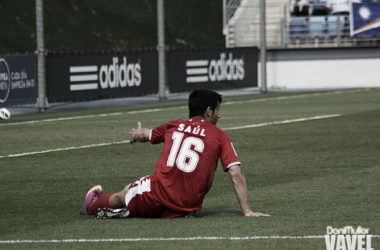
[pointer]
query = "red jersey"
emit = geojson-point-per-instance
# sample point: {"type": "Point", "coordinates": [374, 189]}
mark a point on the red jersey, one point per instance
{"type": "Point", "coordinates": [186, 167]}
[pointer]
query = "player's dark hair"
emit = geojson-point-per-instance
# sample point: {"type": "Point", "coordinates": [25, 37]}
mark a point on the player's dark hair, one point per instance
{"type": "Point", "coordinates": [201, 99]}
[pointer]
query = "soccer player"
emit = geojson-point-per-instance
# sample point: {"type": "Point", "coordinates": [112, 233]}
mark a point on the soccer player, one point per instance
{"type": "Point", "coordinates": [184, 172]}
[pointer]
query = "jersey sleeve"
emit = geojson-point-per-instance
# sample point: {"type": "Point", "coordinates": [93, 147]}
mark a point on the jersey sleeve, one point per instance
{"type": "Point", "coordinates": [228, 155]}
{"type": "Point", "coordinates": [157, 134]}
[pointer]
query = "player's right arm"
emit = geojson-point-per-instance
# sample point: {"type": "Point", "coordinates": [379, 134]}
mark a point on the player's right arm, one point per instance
{"type": "Point", "coordinates": [240, 187]}
{"type": "Point", "coordinates": [231, 163]}
{"type": "Point", "coordinates": [139, 134]}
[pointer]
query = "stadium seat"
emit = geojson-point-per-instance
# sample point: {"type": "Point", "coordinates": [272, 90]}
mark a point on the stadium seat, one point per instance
{"type": "Point", "coordinates": [332, 25]}
{"type": "Point", "coordinates": [298, 26]}
{"type": "Point", "coordinates": [317, 26]}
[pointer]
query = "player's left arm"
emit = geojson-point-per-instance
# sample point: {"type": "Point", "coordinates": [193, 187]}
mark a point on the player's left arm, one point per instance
{"type": "Point", "coordinates": [240, 186]}
{"type": "Point", "coordinates": [139, 135]}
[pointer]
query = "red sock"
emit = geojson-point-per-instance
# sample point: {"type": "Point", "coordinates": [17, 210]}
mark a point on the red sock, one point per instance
{"type": "Point", "coordinates": [102, 201]}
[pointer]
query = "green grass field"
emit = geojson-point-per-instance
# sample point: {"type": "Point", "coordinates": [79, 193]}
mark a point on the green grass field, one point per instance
{"type": "Point", "coordinates": [307, 174]}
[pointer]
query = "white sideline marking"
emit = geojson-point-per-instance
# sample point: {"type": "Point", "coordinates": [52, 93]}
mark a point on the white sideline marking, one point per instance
{"type": "Point", "coordinates": [90, 116]}
{"type": "Point", "coordinates": [63, 149]}
{"type": "Point", "coordinates": [294, 96]}
{"type": "Point", "coordinates": [180, 107]}
{"type": "Point", "coordinates": [271, 237]}
{"type": "Point", "coordinates": [123, 142]}
{"type": "Point", "coordinates": [284, 122]}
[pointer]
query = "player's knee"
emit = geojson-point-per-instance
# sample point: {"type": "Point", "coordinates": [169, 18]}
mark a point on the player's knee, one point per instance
{"type": "Point", "coordinates": [120, 197]}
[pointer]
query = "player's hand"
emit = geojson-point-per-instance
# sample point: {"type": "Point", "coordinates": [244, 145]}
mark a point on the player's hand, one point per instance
{"type": "Point", "coordinates": [135, 133]}
{"type": "Point", "coordinates": [255, 214]}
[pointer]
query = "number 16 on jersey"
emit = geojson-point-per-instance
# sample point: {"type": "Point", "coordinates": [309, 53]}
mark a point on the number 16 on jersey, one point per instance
{"type": "Point", "coordinates": [187, 159]}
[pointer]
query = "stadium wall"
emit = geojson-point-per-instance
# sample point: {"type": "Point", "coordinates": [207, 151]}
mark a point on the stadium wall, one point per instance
{"type": "Point", "coordinates": [322, 68]}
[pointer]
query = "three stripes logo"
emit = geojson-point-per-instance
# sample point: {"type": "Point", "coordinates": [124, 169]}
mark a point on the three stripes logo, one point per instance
{"type": "Point", "coordinates": [92, 77]}
{"type": "Point", "coordinates": [197, 71]}
{"type": "Point", "coordinates": [83, 78]}
{"type": "Point", "coordinates": [224, 69]}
